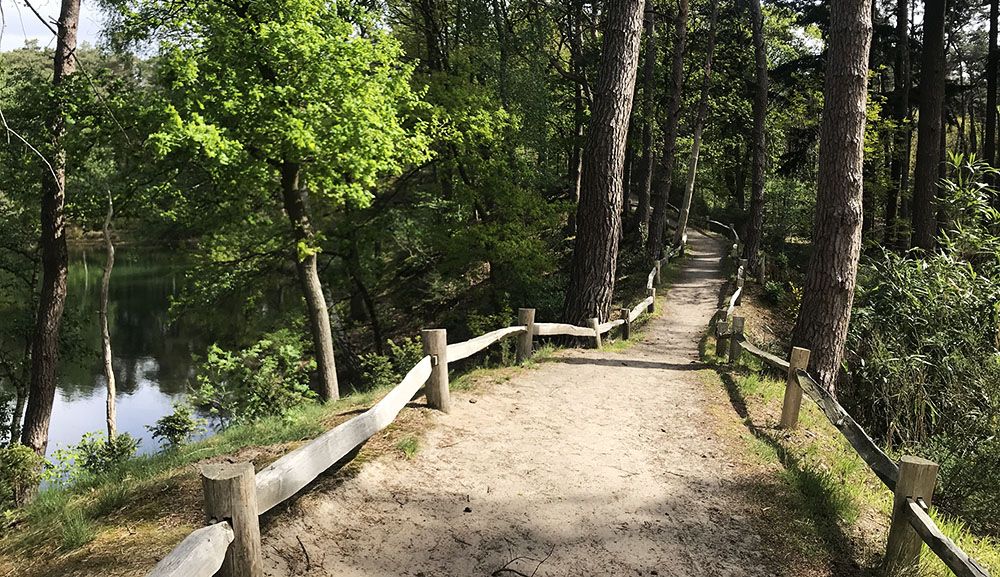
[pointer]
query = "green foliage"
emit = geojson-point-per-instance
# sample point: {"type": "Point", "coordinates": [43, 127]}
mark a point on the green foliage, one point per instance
{"type": "Point", "coordinates": [20, 472]}
{"type": "Point", "coordinates": [75, 528]}
{"type": "Point", "coordinates": [379, 371]}
{"type": "Point", "coordinates": [93, 455]}
{"type": "Point", "coordinates": [176, 428]}
{"type": "Point", "coordinates": [923, 347]}
{"type": "Point", "coordinates": [408, 446]}
{"type": "Point", "coordinates": [265, 379]}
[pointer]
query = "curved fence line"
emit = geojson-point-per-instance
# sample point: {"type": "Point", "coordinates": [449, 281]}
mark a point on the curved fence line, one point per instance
{"type": "Point", "coordinates": [912, 481]}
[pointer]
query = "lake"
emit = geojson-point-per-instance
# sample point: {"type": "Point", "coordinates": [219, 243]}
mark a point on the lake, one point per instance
{"type": "Point", "coordinates": [152, 360]}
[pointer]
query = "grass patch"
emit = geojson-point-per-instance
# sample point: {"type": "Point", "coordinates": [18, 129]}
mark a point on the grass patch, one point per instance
{"type": "Point", "coordinates": [848, 505]}
{"type": "Point", "coordinates": [75, 529]}
{"type": "Point", "coordinates": [409, 446]}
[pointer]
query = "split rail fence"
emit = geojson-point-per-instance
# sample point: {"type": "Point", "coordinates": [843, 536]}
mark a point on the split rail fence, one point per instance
{"type": "Point", "coordinates": [912, 480]}
{"type": "Point", "coordinates": [235, 496]}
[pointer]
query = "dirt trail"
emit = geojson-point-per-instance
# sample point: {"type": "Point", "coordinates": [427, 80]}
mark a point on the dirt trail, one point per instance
{"type": "Point", "coordinates": [594, 463]}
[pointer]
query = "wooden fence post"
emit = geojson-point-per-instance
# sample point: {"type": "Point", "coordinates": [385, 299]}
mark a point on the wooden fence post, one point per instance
{"type": "Point", "coordinates": [627, 327]}
{"type": "Point", "coordinates": [595, 324]}
{"type": "Point", "coordinates": [734, 340]}
{"type": "Point", "coordinates": [525, 317]}
{"type": "Point", "coordinates": [231, 495]}
{"type": "Point", "coordinates": [720, 333]}
{"type": "Point", "coordinates": [656, 278]}
{"type": "Point", "coordinates": [741, 275]}
{"type": "Point", "coordinates": [651, 292]}
{"type": "Point", "coordinates": [917, 478]}
{"type": "Point", "coordinates": [799, 359]}
{"type": "Point", "coordinates": [761, 269]}
{"type": "Point", "coordinates": [436, 345]}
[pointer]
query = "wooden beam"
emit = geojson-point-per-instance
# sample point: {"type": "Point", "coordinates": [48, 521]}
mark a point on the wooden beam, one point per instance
{"type": "Point", "coordinates": [950, 554]}
{"type": "Point", "coordinates": [465, 349]}
{"type": "Point", "coordinates": [200, 554]}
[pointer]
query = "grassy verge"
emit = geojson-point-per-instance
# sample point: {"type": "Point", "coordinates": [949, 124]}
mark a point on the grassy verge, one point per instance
{"type": "Point", "coordinates": [847, 504]}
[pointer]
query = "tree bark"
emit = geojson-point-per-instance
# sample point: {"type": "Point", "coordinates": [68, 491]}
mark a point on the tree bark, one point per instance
{"type": "Point", "coordinates": [579, 111]}
{"type": "Point", "coordinates": [755, 226]}
{"type": "Point", "coordinates": [658, 224]}
{"type": "Point", "coordinates": [109, 372]}
{"type": "Point", "coordinates": [648, 113]}
{"type": "Point", "coordinates": [929, 126]}
{"type": "Point", "coordinates": [699, 125]}
{"type": "Point", "coordinates": [899, 167]}
{"type": "Point", "coordinates": [828, 293]}
{"type": "Point", "coordinates": [312, 288]}
{"type": "Point", "coordinates": [55, 259]}
{"type": "Point", "coordinates": [595, 254]}
{"type": "Point", "coordinates": [992, 64]}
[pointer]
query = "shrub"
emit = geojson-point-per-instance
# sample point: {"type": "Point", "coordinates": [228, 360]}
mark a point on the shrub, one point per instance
{"type": "Point", "coordinates": [266, 379]}
{"type": "Point", "coordinates": [377, 371]}
{"type": "Point", "coordinates": [93, 455]}
{"type": "Point", "coordinates": [175, 429]}
{"type": "Point", "coordinates": [405, 354]}
{"type": "Point", "coordinates": [20, 473]}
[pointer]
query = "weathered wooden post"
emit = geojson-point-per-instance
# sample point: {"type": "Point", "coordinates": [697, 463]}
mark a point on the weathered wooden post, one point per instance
{"type": "Point", "coordinates": [231, 495]}
{"type": "Point", "coordinates": [917, 478]}
{"type": "Point", "coordinates": [761, 269]}
{"type": "Point", "coordinates": [656, 277]}
{"type": "Point", "coordinates": [436, 345]}
{"type": "Point", "coordinates": [525, 317]}
{"type": "Point", "coordinates": [798, 360]}
{"type": "Point", "coordinates": [741, 275]}
{"type": "Point", "coordinates": [721, 326]}
{"type": "Point", "coordinates": [627, 326]}
{"type": "Point", "coordinates": [595, 324]}
{"type": "Point", "coordinates": [734, 340]}
{"type": "Point", "coordinates": [651, 292]}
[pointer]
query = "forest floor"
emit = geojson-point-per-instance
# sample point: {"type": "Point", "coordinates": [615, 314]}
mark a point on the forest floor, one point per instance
{"type": "Point", "coordinates": [597, 462]}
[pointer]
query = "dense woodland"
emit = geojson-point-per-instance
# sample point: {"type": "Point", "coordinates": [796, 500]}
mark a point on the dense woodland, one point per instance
{"type": "Point", "coordinates": [377, 167]}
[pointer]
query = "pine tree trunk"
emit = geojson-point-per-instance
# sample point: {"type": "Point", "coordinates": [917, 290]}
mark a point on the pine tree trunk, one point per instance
{"type": "Point", "coordinates": [109, 372]}
{"type": "Point", "coordinates": [755, 226]}
{"type": "Point", "coordinates": [992, 64]}
{"type": "Point", "coordinates": [312, 288]}
{"type": "Point", "coordinates": [55, 257]}
{"type": "Point", "coordinates": [595, 254]}
{"type": "Point", "coordinates": [648, 112]}
{"type": "Point", "coordinates": [899, 168]}
{"type": "Point", "coordinates": [579, 110]}
{"type": "Point", "coordinates": [829, 286]}
{"type": "Point", "coordinates": [699, 125]}
{"type": "Point", "coordinates": [658, 224]}
{"type": "Point", "coordinates": [929, 126]}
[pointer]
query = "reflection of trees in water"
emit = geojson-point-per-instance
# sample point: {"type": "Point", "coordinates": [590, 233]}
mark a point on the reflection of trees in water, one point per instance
{"type": "Point", "coordinates": [147, 349]}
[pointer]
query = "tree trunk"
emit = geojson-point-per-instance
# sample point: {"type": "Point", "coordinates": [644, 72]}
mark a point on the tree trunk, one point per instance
{"type": "Point", "coordinates": [55, 258]}
{"type": "Point", "coordinates": [109, 372]}
{"type": "Point", "coordinates": [829, 286]}
{"type": "Point", "coordinates": [595, 255]}
{"type": "Point", "coordinates": [755, 226]}
{"type": "Point", "coordinates": [312, 289]}
{"type": "Point", "coordinates": [992, 64]}
{"type": "Point", "coordinates": [658, 224]}
{"type": "Point", "coordinates": [929, 126]}
{"type": "Point", "coordinates": [699, 125]}
{"type": "Point", "coordinates": [579, 111]}
{"type": "Point", "coordinates": [899, 168]}
{"type": "Point", "coordinates": [648, 113]}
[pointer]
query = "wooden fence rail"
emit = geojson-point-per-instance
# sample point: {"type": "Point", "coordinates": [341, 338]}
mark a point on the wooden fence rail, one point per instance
{"type": "Point", "coordinates": [912, 481]}
{"type": "Point", "coordinates": [231, 548]}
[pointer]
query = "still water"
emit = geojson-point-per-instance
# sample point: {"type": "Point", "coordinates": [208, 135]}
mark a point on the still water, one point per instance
{"type": "Point", "coordinates": [152, 359]}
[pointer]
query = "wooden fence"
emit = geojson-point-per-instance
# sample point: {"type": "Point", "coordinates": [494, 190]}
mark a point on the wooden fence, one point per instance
{"type": "Point", "coordinates": [235, 496]}
{"type": "Point", "coordinates": [912, 480]}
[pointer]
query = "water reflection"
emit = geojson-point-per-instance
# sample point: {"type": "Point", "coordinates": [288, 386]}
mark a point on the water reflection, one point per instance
{"type": "Point", "coordinates": [152, 360]}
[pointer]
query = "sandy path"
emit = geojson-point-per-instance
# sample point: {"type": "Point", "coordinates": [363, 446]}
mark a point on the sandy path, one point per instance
{"type": "Point", "coordinates": [598, 463]}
